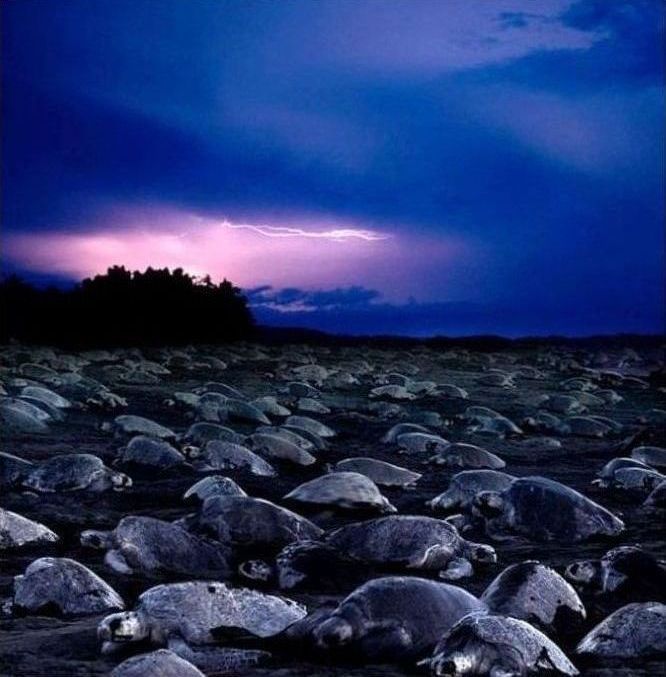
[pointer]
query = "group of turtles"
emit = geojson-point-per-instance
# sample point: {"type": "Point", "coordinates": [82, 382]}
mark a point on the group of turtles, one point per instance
{"type": "Point", "coordinates": [255, 505]}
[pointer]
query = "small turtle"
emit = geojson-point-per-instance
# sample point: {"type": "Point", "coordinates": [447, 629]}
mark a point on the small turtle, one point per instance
{"type": "Point", "coordinates": [636, 630]}
{"type": "Point", "coordinates": [653, 456]}
{"type": "Point", "coordinates": [55, 585]}
{"type": "Point", "coordinates": [626, 571]}
{"type": "Point", "coordinates": [657, 498]}
{"type": "Point", "coordinates": [270, 406]}
{"type": "Point", "coordinates": [219, 455]}
{"type": "Point", "coordinates": [13, 470]}
{"type": "Point", "coordinates": [343, 490]}
{"type": "Point", "coordinates": [155, 548]}
{"type": "Point", "coordinates": [251, 524]}
{"type": "Point", "coordinates": [414, 443]}
{"type": "Point", "coordinates": [462, 455]}
{"type": "Point", "coordinates": [412, 542]}
{"type": "Point", "coordinates": [381, 473]}
{"type": "Point", "coordinates": [202, 432]}
{"type": "Point", "coordinates": [499, 647]}
{"type": "Point", "coordinates": [17, 531]}
{"type": "Point", "coordinates": [191, 618]}
{"type": "Point", "coordinates": [537, 594]}
{"type": "Point", "coordinates": [213, 485]}
{"type": "Point", "coordinates": [544, 510]}
{"type": "Point", "coordinates": [148, 452]}
{"type": "Point", "coordinates": [309, 424]}
{"type": "Point", "coordinates": [396, 618]}
{"type": "Point", "coordinates": [75, 472]}
{"type": "Point", "coordinates": [127, 425]}
{"type": "Point", "coordinates": [465, 485]}
{"type": "Point", "coordinates": [402, 429]}
{"type": "Point", "coordinates": [160, 663]}
{"type": "Point", "coordinates": [278, 447]}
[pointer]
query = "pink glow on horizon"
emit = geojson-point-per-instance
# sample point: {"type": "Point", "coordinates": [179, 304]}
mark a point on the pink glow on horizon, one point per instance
{"type": "Point", "coordinates": [322, 255]}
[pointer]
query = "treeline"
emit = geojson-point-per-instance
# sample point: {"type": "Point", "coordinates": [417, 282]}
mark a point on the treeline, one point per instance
{"type": "Point", "coordinates": [123, 308]}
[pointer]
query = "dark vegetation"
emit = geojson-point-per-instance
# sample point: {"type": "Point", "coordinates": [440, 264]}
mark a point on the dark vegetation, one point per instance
{"type": "Point", "coordinates": [123, 308]}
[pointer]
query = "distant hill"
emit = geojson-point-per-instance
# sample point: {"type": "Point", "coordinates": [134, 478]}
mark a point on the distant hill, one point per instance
{"type": "Point", "coordinates": [124, 308]}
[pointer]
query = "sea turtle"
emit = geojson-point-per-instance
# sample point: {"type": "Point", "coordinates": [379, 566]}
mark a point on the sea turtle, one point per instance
{"type": "Point", "coordinates": [537, 594]}
{"type": "Point", "coordinates": [637, 630]}
{"type": "Point", "coordinates": [156, 548]}
{"type": "Point", "coordinates": [563, 404]}
{"type": "Point", "coordinates": [311, 425]}
{"type": "Point", "coordinates": [21, 417]}
{"type": "Point", "coordinates": [653, 456]}
{"type": "Point", "coordinates": [240, 410]}
{"type": "Point", "coordinates": [47, 396]}
{"type": "Point", "coordinates": [636, 480]}
{"type": "Point", "coordinates": [148, 452]}
{"type": "Point", "coordinates": [192, 618]}
{"type": "Point", "coordinates": [309, 405]}
{"type": "Point", "coordinates": [586, 426]}
{"type": "Point", "coordinates": [222, 389]}
{"type": "Point", "coordinates": [392, 392]}
{"type": "Point", "coordinates": [380, 472]}
{"type": "Point", "coordinates": [75, 472]}
{"type": "Point", "coordinates": [128, 425]}
{"type": "Point", "coordinates": [497, 426]}
{"type": "Point", "coordinates": [270, 406]}
{"type": "Point", "coordinates": [203, 431]}
{"type": "Point", "coordinates": [288, 434]}
{"type": "Point", "coordinates": [462, 455]}
{"type": "Point", "coordinates": [401, 429]}
{"type": "Point", "coordinates": [412, 542]}
{"type": "Point", "coordinates": [465, 485]}
{"type": "Point", "coordinates": [497, 646]}
{"type": "Point", "coordinates": [343, 490]}
{"type": "Point", "coordinates": [451, 390]}
{"type": "Point", "coordinates": [17, 531]}
{"type": "Point", "coordinates": [251, 525]}
{"type": "Point", "coordinates": [218, 455]}
{"type": "Point", "coordinates": [13, 470]}
{"type": "Point", "coordinates": [626, 571]}
{"type": "Point", "coordinates": [160, 663]}
{"type": "Point", "coordinates": [536, 444]}
{"type": "Point", "coordinates": [61, 586]}
{"type": "Point", "coordinates": [300, 389]}
{"type": "Point", "coordinates": [606, 476]}
{"type": "Point", "coordinates": [213, 485]}
{"type": "Point", "coordinates": [280, 448]}
{"type": "Point", "coordinates": [395, 618]}
{"type": "Point", "coordinates": [414, 443]}
{"type": "Point", "coordinates": [541, 509]}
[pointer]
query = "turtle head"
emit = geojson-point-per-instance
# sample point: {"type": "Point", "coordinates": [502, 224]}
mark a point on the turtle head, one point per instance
{"type": "Point", "coordinates": [488, 504]}
{"type": "Point", "coordinates": [120, 481]}
{"type": "Point", "coordinates": [95, 539]}
{"type": "Point", "coordinates": [481, 553]}
{"type": "Point", "coordinates": [121, 628]}
{"type": "Point", "coordinates": [333, 632]}
{"type": "Point", "coordinates": [191, 452]}
{"type": "Point", "coordinates": [584, 572]}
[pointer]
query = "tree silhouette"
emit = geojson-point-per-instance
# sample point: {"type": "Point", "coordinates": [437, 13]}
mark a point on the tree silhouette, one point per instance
{"type": "Point", "coordinates": [122, 308]}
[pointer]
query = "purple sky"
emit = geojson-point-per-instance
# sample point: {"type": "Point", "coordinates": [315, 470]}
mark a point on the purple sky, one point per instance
{"type": "Point", "coordinates": [356, 165]}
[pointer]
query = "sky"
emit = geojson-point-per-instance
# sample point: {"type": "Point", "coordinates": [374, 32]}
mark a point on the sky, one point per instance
{"type": "Point", "coordinates": [357, 166]}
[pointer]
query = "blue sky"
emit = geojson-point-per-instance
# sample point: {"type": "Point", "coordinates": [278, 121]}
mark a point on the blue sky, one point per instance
{"type": "Point", "coordinates": [362, 166]}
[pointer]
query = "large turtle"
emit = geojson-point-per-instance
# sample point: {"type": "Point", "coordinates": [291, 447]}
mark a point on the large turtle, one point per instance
{"type": "Point", "coordinates": [541, 509]}
{"type": "Point", "coordinates": [160, 663]}
{"type": "Point", "coordinates": [401, 429]}
{"type": "Point", "coordinates": [380, 472]}
{"type": "Point", "coordinates": [191, 618]}
{"type": "Point", "coordinates": [251, 524]}
{"type": "Point", "coordinates": [311, 425]}
{"type": "Point", "coordinates": [47, 396]}
{"type": "Point", "coordinates": [278, 447]}
{"type": "Point", "coordinates": [497, 646]}
{"type": "Point", "coordinates": [218, 455]}
{"type": "Point", "coordinates": [465, 485]}
{"type": "Point", "coordinates": [462, 455]}
{"type": "Point", "coordinates": [627, 571]}
{"type": "Point", "coordinates": [75, 472]}
{"type": "Point", "coordinates": [412, 542]}
{"type": "Point", "coordinates": [536, 593]}
{"type": "Point", "coordinates": [149, 452]}
{"type": "Point", "coordinates": [156, 548]}
{"type": "Point", "coordinates": [395, 618]}
{"type": "Point", "coordinates": [16, 419]}
{"type": "Point", "coordinates": [17, 531]}
{"type": "Point", "coordinates": [636, 630]}
{"type": "Point", "coordinates": [54, 585]}
{"type": "Point", "coordinates": [128, 425]}
{"type": "Point", "coordinates": [213, 485]}
{"type": "Point", "coordinates": [202, 432]}
{"type": "Point", "coordinates": [341, 490]}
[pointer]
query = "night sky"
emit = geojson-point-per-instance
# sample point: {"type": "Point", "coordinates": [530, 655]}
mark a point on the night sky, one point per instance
{"type": "Point", "coordinates": [366, 166]}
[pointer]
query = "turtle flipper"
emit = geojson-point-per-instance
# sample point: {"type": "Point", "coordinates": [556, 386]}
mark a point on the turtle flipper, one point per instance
{"type": "Point", "coordinates": [218, 659]}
